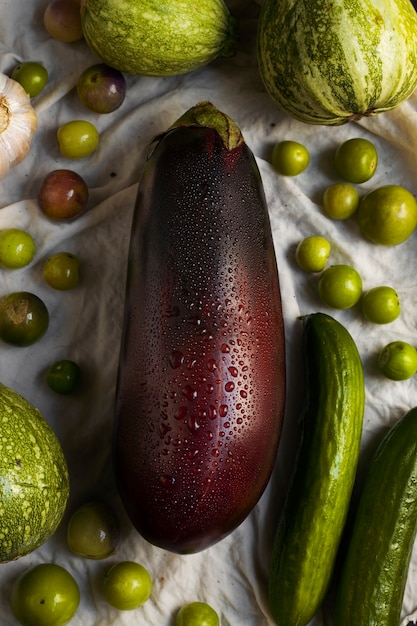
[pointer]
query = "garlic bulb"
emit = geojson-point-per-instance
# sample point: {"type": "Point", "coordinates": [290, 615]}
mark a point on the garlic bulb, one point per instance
{"type": "Point", "coordinates": [18, 122]}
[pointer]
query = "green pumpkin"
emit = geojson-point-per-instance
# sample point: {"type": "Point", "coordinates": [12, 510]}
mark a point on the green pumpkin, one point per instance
{"type": "Point", "coordinates": [333, 61]}
{"type": "Point", "coordinates": [34, 481]}
{"type": "Point", "coordinates": [158, 37]}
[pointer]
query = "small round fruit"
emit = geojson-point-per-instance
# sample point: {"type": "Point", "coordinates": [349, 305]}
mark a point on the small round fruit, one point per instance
{"type": "Point", "coordinates": [127, 585]}
{"type": "Point", "coordinates": [356, 160]}
{"type": "Point", "coordinates": [381, 305]}
{"type": "Point", "coordinates": [62, 20]}
{"type": "Point", "coordinates": [197, 614]}
{"type": "Point", "coordinates": [45, 595]}
{"type": "Point", "coordinates": [77, 139]}
{"type": "Point", "coordinates": [340, 201]}
{"type": "Point", "coordinates": [93, 531]}
{"type": "Point", "coordinates": [101, 88]}
{"type": "Point", "coordinates": [388, 215]}
{"type": "Point", "coordinates": [340, 286]}
{"type": "Point", "coordinates": [64, 376]}
{"type": "Point", "coordinates": [32, 76]}
{"type": "Point", "coordinates": [24, 318]}
{"type": "Point", "coordinates": [61, 271]}
{"type": "Point", "coordinates": [290, 158]}
{"type": "Point", "coordinates": [398, 360]}
{"type": "Point", "coordinates": [312, 253]}
{"type": "Point", "coordinates": [63, 195]}
{"type": "Point", "coordinates": [17, 248]}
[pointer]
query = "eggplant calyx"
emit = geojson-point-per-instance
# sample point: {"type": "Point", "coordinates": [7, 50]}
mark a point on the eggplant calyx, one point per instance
{"type": "Point", "coordinates": [204, 114]}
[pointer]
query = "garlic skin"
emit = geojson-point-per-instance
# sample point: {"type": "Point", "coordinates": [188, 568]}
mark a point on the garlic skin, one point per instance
{"type": "Point", "coordinates": [18, 123]}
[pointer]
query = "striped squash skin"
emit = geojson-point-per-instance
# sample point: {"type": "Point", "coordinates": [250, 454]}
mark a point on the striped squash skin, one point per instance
{"type": "Point", "coordinates": [158, 37]}
{"type": "Point", "coordinates": [332, 61]}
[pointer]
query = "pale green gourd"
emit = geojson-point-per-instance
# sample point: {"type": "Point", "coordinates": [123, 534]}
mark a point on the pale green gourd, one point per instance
{"type": "Point", "coordinates": [158, 37]}
{"type": "Point", "coordinates": [34, 481]}
{"type": "Point", "coordinates": [332, 61]}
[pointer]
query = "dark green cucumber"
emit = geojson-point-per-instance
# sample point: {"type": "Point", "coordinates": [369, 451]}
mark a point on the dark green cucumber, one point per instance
{"type": "Point", "coordinates": [375, 569]}
{"type": "Point", "coordinates": [314, 514]}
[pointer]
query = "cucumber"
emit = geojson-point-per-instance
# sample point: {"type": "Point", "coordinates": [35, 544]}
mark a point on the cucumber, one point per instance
{"type": "Point", "coordinates": [375, 568]}
{"type": "Point", "coordinates": [313, 517]}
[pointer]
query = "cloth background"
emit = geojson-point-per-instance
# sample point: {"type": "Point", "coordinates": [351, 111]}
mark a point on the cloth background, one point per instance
{"type": "Point", "coordinates": [86, 322]}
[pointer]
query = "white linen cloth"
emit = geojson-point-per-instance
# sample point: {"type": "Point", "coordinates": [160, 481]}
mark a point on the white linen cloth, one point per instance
{"type": "Point", "coordinates": [85, 323]}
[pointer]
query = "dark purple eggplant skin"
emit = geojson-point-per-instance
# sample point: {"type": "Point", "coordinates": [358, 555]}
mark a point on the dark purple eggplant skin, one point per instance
{"type": "Point", "coordinates": [201, 384]}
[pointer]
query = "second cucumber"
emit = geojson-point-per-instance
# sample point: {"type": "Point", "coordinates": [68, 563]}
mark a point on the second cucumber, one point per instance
{"type": "Point", "coordinates": [375, 568]}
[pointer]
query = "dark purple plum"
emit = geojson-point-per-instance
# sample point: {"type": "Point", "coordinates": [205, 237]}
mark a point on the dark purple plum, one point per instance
{"type": "Point", "coordinates": [63, 195]}
{"type": "Point", "coordinates": [62, 20]}
{"type": "Point", "coordinates": [101, 88]}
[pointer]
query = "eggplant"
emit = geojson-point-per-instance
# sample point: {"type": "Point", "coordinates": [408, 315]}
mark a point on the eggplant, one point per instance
{"type": "Point", "coordinates": [201, 382]}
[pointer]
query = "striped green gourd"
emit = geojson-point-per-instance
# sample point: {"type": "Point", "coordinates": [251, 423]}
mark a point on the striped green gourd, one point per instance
{"type": "Point", "coordinates": [332, 61]}
{"type": "Point", "coordinates": [163, 38]}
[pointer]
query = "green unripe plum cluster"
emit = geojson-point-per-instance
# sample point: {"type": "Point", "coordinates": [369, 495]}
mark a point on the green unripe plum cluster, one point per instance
{"type": "Point", "coordinates": [93, 532]}
{"type": "Point", "coordinates": [386, 216]}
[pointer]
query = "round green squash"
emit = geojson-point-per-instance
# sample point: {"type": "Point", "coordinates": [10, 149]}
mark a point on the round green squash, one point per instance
{"type": "Point", "coordinates": [333, 61]}
{"type": "Point", "coordinates": [158, 37]}
{"type": "Point", "coordinates": [34, 481]}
